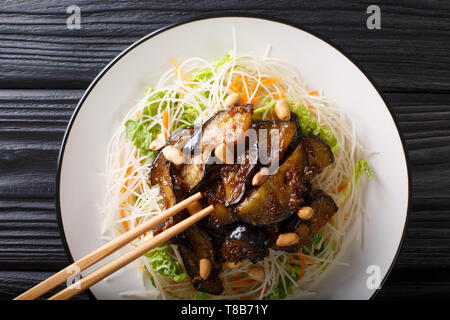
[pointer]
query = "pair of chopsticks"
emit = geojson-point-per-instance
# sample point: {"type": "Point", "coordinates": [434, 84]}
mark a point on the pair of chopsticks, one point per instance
{"type": "Point", "coordinates": [113, 246]}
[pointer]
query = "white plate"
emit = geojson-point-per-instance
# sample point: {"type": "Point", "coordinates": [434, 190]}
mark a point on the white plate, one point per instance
{"type": "Point", "coordinates": [81, 186]}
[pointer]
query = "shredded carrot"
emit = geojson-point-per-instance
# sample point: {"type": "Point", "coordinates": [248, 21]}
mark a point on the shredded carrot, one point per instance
{"type": "Point", "coordinates": [302, 269]}
{"type": "Point", "coordinates": [313, 93]}
{"type": "Point", "coordinates": [165, 123]}
{"type": "Point", "coordinates": [302, 257]}
{"type": "Point", "coordinates": [280, 95]}
{"type": "Point", "coordinates": [175, 65]}
{"type": "Point", "coordinates": [178, 71]}
{"type": "Point", "coordinates": [254, 93]}
{"type": "Point", "coordinates": [244, 97]}
{"type": "Point", "coordinates": [140, 267]}
{"type": "Point", "coordinates": [125, 223]}
{"type": "Point", "coordinates": [127, 173]}
{"type": "Point", "coordinates": [233, 85]}
{"type": "Point", "coordinates": [341, 187]}
{"type": "Point", "coordinates": [268, 81]}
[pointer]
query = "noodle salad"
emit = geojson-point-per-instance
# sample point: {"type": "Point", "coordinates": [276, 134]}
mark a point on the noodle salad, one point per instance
{"type": "Point", "coordinates": [189, 93]}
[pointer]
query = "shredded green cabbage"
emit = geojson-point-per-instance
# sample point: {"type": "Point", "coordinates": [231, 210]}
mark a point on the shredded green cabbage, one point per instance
{"type": "Point", "coordinates": [139, 133]}
{"type": "Point", "coordinates": [161, 261]}
{"type": "Point", "coordinates": [268, 105]}
{"type": "Point", "coordinates": [316, 246]}
{"type": "Point", "coordinates": [189, 115]}
{"type": "Point", "coordinates": [140, 136]}
{"type": "Point", "coordinates": [361, 166]}
{"type": "Point", "coordinates": [310, 125]}
{"type": "Point", "coordinates": [199, 295]}
{"type": "Point", "coordinates": [206, 74]}
{"type": "Point", "coordinates": [151, 108]}
{"type": "Point", "coordinates": [280, 293]}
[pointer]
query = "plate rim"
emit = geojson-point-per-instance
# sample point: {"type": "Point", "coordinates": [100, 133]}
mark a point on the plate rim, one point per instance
{"type": "Point", "coordinates": [207, 17]}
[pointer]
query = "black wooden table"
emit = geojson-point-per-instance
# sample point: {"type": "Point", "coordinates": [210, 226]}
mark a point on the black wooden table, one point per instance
{"type": "Point", "coordinates": [45, 67]}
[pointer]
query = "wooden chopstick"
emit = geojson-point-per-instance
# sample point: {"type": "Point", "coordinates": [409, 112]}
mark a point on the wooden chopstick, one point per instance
{"type": "Point", "coordinates": [104, 250]}
{"type": "Point", "coordinates": [129, 256]}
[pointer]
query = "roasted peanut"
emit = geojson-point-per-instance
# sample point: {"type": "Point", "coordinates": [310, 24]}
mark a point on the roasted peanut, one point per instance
{"type": "Point", "coordinates": [158, 142]}
{"type": "Point", "coordinates": [256, 273]}
{"type": "Point", "coordinates": [260, 177]}
{"type": "Point", "coordinates": [224, 154]}
{"type": "Point", "coordinates": [287, 239]}
{"type": "Point", "coordinates": [232, 99]}
{"type": "Point", "coordinates": [282, 110]}
{"type": "Point", "coordinates": [205, 268]}
{"type": "Point", "coordinates": [173, 155]}
{"type": "Point", "coordinates": [305, 213]}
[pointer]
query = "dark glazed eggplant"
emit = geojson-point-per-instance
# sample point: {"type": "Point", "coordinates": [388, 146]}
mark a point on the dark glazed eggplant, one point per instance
{"type": "Point", "coordinates": [161, 172]}
{"type": "Point", "coordinates": [193, 173]}
{"type": "Point", "coordinates": [319, 154]}
{"type": "Point", "coordinates": [198, 245]}
{"type": "Point", "coordinates": [227, 126]}
{"type": "Point", "coordinates": [244, 242]}
{"type": "Point", "coordinates": [266, 133]}
{"type": "Point", "coordinates": [279, 196]}
{"type": "Point", "coordinates": [324, 208]}
{"type": "Point", "coordinates": [294, 224]}
{"type": "Point", "coordinates": [235, 178]}
{"type": "Point", "coordinates": [221, 215]}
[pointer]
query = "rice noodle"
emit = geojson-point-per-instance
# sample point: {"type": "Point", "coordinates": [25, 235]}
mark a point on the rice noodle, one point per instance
{"type": "Point", "coordinates": [130, 200]}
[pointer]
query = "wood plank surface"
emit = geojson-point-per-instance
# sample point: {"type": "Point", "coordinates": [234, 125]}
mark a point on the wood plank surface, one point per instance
{"type": "Point", "coordinates": [409, 53]}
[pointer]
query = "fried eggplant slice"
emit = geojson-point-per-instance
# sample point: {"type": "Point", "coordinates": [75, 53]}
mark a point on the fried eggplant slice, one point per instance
{"type": "Point", "coordinates": [221, 215]}
{"type": "Point", "coordinates": [244, 242]}
{"type": "Point", "coordinates": [271, 231]}
{"type": "Point", "coordinates": [198, 245]}
{"type": "Point", "coordinates": [279, 133]}
{"type": "Point", "coordinates": [324, 208]}
{"type": "Point", "coordinates": [231, 184]}
{"type": "Point", "coordinates": [273, 201]}
{"type": "Point", "coordinates": [235, 178]}
{"type": "Point", "coordinates": [293, 224]}
{"type": "Point", "coordinates": [193, 173]}
{"type": "Point", "coordinates": [319, 154]}
{"type": "Point", "coordinates": [227, 126]}
{"type": "Point", "coordinates": [161, 173]}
